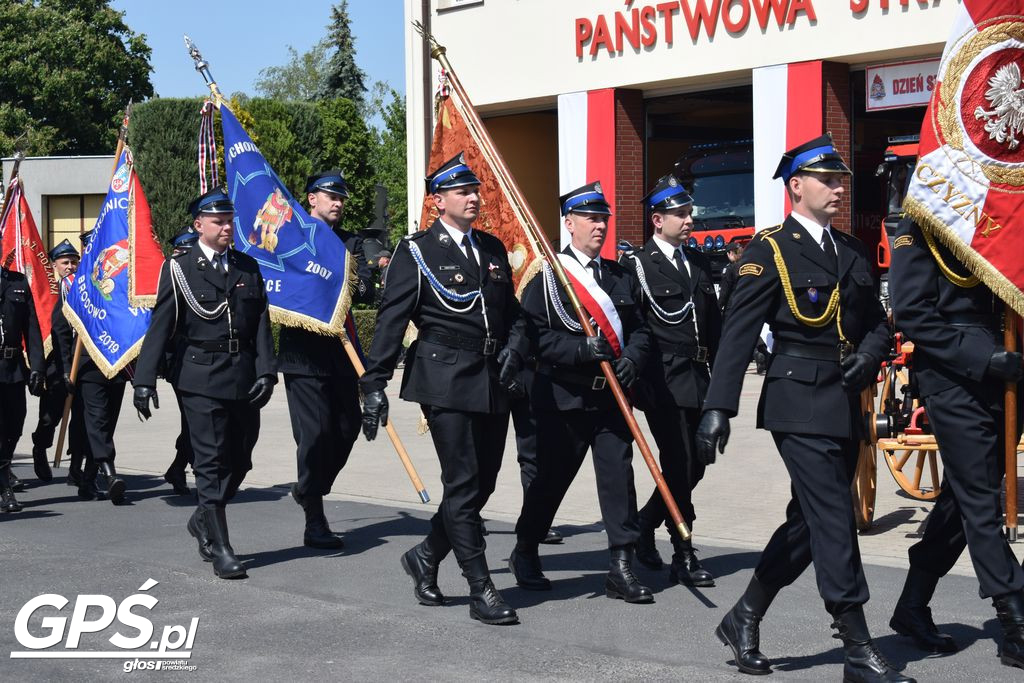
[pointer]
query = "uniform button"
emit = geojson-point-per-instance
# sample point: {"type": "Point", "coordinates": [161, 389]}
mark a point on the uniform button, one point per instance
{"type": "Point", "coordinates": [788, 373]}
{"type": "Point", "coordinates": [433, 355]}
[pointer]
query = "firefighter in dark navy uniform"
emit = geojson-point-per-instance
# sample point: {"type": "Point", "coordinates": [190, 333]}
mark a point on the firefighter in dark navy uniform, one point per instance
{"type": "Point", "coordinates": [575, 409]}
{"type": "Point", "coordinates": [455, 284]}
{"type": "Point", "coordinates": [97, 402]}
{"type": "Point", "coordinates": [813, 285]}
{"type": "Point", "coordinates": [685, 322]}
{"type": "Point", "coordinates": [214, 300]}
{"type": "Point", "coordinates": [19, 335]}
{"type": "Point", "coordinates": [319, 380]}
{"type": "Point", "coordinates": [64, 258]}
{"type": "Point", "coordinates": [183, 456]}
{"type": "Point", "coordinates": [961, 368]}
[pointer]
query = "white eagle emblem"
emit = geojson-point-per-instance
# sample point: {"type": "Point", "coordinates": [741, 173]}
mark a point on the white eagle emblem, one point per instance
{"type": "Point", "coordinates": [1006, 120]}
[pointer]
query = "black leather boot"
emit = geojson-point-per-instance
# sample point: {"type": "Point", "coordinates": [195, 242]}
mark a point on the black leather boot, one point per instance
{"type": "Point", "coordinates": [175, 476]}
{"type": "Point", "coordinates": [421, 563]}
{"type": "Point", "coordinates": [864, 662]}
{"type": "Point", "coordinates": [552, 537]}
{"type": "Point", "coordinates": [225, 564]}
{"type": "Point", "coordinates": [8, 503]}
{"type": "Point", "coordinates": [75, 471]}
{"type": "Point", "coordinates": [114, 484]}
{"type": "Point", "coordinates": [198, 531]}
{"type": "Point", "coordinates": [16, 484]}
{"type": "Point", "coordinates": [740, 630]}
{"type": "Point", "coordinates": [40, 464]}
{"type": "Point", "coordinates": [621, 583]}
{"type": "Point", "coordinates": [87, 485]}
{"type": "Point", "coordinates": [1010, 612]}
{"type": "Point", "coordinates": [912, 616]}
{"type": "Point", "coordinates": [524, 563]}
{"type": "Point", "coordinates": [485, 602]}
{"type": "Point", "coordinates": [686, 569]}
{"type": "Point", "coordinates": [646, 551]}
{"type": "Point", "coordinates": [318, 533]}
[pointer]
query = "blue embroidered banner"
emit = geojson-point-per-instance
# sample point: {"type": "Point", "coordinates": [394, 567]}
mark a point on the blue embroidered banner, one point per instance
{"type": "Point", "coordinates": [305, 265]}
{"type": "Point", "coordinates": [97, 303]}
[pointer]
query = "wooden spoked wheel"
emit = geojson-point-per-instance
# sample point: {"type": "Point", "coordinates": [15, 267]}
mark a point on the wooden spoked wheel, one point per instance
{"type": "Point", "coordinates": [913, 460]}
{"type": "Point", "coordinates": [865, 481]}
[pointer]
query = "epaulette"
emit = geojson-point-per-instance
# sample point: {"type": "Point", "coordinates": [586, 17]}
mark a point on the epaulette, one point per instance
{"type": "Point", "coordinates": [178, 254]}
{"type": "Point", "coordinates": [767, 232]}
{"type": "Point", "coordinates": [416, 235]}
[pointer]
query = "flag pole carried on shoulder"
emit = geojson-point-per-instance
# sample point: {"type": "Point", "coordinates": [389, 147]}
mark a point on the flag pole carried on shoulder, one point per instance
{"type": "Point", "coordinates": [203, 67]}
{"type": "Point", "coordinates": [543, 246]}
{"type": "Point", "coordinates": [122, 136]}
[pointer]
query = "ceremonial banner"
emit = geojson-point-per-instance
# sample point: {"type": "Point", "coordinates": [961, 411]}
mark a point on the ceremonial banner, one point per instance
{"type": "Point", "coordinates": [968, 187]}
{"type": "Point", "coordinates": [144, 253]}
{"type": "Point", "coordinates": [97, 304]}
{"type": "Point", "coordinates": [497, 215]}
{"type": "Point", "coordinates": [306, 266]}
{"type": "Point", "coordinates": [22, 250]}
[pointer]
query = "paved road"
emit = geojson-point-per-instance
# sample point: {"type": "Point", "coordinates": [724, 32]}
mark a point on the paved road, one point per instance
{"type": "Point", "coordinates": [350, 615]}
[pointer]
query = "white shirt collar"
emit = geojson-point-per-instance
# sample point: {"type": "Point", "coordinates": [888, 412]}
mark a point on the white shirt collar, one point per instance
{"type": "Point", "coordinates": [457, 234]}
{"type": "Point", "coordinates": [811, 226]}
{"type": "Point", "coordinates": [583, 258]}
{"type": "Point", "coordinates": [669, 251]}
{"type": "Point", "coordinates": [208, 252]}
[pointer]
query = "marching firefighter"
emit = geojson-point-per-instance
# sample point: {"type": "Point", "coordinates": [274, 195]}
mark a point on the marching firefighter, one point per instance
{"type": "Point", "coordinates": [214, 298]}
{"type": "Point", "coordinates": [812, 284]}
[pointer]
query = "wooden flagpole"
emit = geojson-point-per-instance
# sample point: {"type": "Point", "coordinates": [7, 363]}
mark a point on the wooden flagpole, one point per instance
{"type": "Point", "coordinates": [1010, 342]}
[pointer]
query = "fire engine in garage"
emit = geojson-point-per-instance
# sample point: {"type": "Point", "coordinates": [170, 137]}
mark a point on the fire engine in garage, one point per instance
{"type": "Point", "coordinates": [720, 176]}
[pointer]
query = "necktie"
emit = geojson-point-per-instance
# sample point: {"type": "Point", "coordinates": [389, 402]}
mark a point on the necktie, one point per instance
{"type": "Point", "coordinates": [217, 263]}
{"type": "Point", "coordinates": [677, 256]}
{"type": "Point", "coordinates": [595, 268]}
{"type": "Point", "coordinates": [467, 242]}
{"type": "Point", "coordinates": [830, 250]}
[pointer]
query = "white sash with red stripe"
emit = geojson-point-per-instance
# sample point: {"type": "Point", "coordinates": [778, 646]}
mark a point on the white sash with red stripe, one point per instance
{"type": "Point", "coordinates": [595, 300]}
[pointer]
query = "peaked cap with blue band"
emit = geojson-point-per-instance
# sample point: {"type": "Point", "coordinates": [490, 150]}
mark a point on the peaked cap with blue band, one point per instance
{"type": "Point", "coordinates": [86, 236]}
{"type": "Point", "coordinates": [818, 155]}
{"type": "Point", "coordinates": [668, 194]}
{"type": "Point", "coordinates": [328, 181]}
{"type": "Point", "coordinates": [214, 201]}
{"type": "Point", "coordinates": [453, 173]}
{"type": "Point", "coordinates": [63, 249]}
{"type": "Point", "coordinates": [184, 237]}
{"type": "Point", "coordinates": [587, 199]}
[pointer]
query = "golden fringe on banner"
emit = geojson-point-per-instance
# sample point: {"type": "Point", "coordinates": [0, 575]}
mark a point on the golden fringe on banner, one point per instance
{"type": "Point", "coordinates": [993, 279]}
{"type": "Point", "coordinates": [109, 371]}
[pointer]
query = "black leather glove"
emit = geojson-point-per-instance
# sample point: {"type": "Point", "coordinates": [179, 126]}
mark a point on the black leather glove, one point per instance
{"type": "Point", "coordinates": [1005, 365]}
{"type": "Point", "coordinates": [859, 371]}
{"type": "Point", "coordinates": [141, 401]}
{"type": "Point", "coordinates": [509, 365]}
{"type": "Point", "coordinates": [593, 349]}
{"type": "Point", "coordinates": [261, 391]}
{"type": "Point", "coordinates": [35, 383]}
{"type": "Point", "coordinates": [375, 411]}
{"type": "Point", "coordinates": [69, 386]}
{"type": "Point", "coordinates": [712, 432]}
{"type": "Point", "coordinates": [625, 371]}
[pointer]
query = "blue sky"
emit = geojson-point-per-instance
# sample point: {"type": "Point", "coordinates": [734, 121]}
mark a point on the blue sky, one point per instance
{"type": "Point", "coordinates": [239, 38]}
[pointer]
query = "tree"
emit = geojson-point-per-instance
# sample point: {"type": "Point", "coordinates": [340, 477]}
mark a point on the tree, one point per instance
{"type": "Point", "coordinates": [343, 77]}
{"type": "Point", "coordinates": [301, 78]}
{"type": "Point", "coordinates": [69, 68]}
{"type": "Point", "coordinates": [347, 144]}
{"type": "Point", "coordinates": [388, 156]}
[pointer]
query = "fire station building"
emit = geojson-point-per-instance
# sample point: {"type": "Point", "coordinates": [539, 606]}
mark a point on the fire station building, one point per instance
{"type": "Point", "coordinates": [625, 91]}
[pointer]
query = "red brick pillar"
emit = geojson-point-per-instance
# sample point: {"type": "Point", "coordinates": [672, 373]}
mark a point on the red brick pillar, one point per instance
{"type": "Point", "coordinates": [835, 82]}
{"type": "Point", "coordinates": [629, 166]}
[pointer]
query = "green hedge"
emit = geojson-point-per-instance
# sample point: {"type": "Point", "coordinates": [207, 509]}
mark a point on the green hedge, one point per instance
{"type": "Point", "coordinates": [366, 322]}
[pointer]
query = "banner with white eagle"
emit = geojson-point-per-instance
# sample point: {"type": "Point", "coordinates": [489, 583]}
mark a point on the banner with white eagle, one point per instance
{"type": "Point", "coordinates": [968, 186]}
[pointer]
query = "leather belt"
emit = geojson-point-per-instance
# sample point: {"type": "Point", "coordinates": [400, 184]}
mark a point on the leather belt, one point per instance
{"type": "Point", "coordinates": [808, 351]}
{"type": "Point", "coordinates": [482, 345]}
{"type": "Point", "coordinates": [9, 352]}
{"type": "Point", "coordinates": [691, 351]}
{"type": "Point", "coordinates": [577, 378]}
{"type": "Point", "coordinates": [223, 345]}
{"type": "Point", "coordinates": [993, 321]}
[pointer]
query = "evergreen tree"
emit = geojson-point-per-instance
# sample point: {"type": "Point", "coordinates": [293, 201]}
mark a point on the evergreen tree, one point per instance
{"type": "Point", "coordinates": [388, 155]}
{"type": "Point", "coordinates": [343, 77]}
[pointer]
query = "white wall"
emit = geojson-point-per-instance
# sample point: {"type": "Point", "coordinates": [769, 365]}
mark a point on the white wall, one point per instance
{"type": "Point", "coordinates": [43, 176]}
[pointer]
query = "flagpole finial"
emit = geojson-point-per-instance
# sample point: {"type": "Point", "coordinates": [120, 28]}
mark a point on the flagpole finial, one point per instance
{"type": "Point", "coordinates": [436, 49]}
{"type": "Point", "coordinates": [203, 67]}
